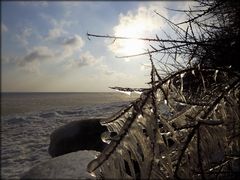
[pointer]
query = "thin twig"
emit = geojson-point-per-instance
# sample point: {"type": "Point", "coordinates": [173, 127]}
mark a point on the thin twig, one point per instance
{"type": "Point", "coordinates": [146, 39]}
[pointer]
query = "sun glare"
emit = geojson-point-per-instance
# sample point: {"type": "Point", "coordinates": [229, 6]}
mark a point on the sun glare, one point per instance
{"type": "Point", "coordinates": [139, 23]}
{"type": "Point", "coordinates": [132, 46]}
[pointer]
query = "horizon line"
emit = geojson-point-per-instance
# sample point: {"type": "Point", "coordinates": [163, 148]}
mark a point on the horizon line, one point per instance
{"type": "Point", "coordinates": [57, 91]}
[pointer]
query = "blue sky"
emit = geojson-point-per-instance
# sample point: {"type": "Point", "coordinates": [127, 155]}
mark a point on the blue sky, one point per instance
{"type": "Point", "coordinates": [45, 47]}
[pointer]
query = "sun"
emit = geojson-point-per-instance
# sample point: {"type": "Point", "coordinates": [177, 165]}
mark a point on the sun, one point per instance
{"type": "Point", "coordinates": [129, 46]}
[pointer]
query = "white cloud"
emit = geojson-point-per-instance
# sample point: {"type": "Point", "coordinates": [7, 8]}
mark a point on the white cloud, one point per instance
{"type": "Point", "coordinates": [38, 53]}
{"type": "Point", "coordinates": [32, 60]}
{"type": "Point", "coordinates": [72, 45]}
{"type": "Point", "coordinates": [3, 28]}
{"type": "Point", "coordinates": [34, 3]}
{"type": "Point", "coordinates": [49, 19]}
{"type": "Point", "coordinates": [54, 33]}
{"type": "Point", "coordinates": [31, 67]}
{"type": "Point", "coordinates": [34, 57]}
{"type": "Point", "coordinates": [24, 35]}
{"type": "Point", "coordinates": [142, 22]}
{"type": "Point", "coordinates": [85, 59]}
{"type": "Point", "coordinates": [106, 70]}
{"type": "Point", "coordinates": [8, 59]}
{"type": "Point", "coordinates": [74, 42]}
{"type": "Point", "coordinates": [58, 26]}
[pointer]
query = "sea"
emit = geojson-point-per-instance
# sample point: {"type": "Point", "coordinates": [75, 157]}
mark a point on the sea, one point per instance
{"type": "Point", "coordinates": [28, 119]}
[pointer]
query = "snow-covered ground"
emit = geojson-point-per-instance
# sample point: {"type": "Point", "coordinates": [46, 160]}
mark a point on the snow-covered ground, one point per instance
{"type": "Point", "coordinates": [68, 166]}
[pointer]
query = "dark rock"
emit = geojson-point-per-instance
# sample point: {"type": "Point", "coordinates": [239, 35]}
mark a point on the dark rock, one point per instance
{"type": "Point", "coordinates": [77, 135]}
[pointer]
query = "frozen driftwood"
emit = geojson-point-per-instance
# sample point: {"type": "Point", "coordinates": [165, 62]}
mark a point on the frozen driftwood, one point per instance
{"type": "Point", "coordinates": [185, 126]}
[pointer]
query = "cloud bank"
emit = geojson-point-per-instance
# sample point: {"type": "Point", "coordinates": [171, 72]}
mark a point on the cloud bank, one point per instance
{"type": "Point", "coordinates": [38, 53]}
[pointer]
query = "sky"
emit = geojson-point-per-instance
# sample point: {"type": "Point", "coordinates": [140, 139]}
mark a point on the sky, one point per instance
{"type": "Point", "coordinates": [44, 46]}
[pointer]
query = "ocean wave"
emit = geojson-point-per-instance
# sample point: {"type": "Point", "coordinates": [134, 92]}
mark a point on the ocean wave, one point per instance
{"type": "Point", "coordinates": [49, 114]}
{"type": "Point", "coordinates": [72, 113]}
{"type": "Point", "coordinates": [17, 120]}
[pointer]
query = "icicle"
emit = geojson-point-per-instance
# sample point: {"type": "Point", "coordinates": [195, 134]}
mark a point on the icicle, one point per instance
{"type": "Point", "coordinates": [215, 75]}
{"type": "Point", "coordinates": [166, 134]}
{"type": "Point", "coordinates": [120, 151]}
{"type": "Point", "coordinates": [181, 76]}
{"type": "Point", "coordinates": [193, 72]}
{"type": "Point", "coordinates": [157, 160]}
{"type": "Point", "coordinates": [216, 107]}
{"type": "Point", "coordinates": [106, 138]}
{"type": "Point", "coordinates": [182, 104]}
{"type": "Point", "coordinates": [168, 82]}
{"type": "Point", "coordinates": [229, 92]}
{"type": "Point", "coordinates": [158, 94]}
{"type": "Point", "coordinates": [183, 130]}
{"type": "Point", "coordinates": [203, 82]}
{"type": "Point", "coordinates": [125, 92]}
{"type": "Point", "coordinates": [165, 101]}
{"type": "Point", "coordinates": [199, 67]}
{"type": "Point", "coordinates": [139, 116]}
{"type": "Point", "coordinates": [93, 174]}
{"type": "Point", "coordinates": [138, 92]}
